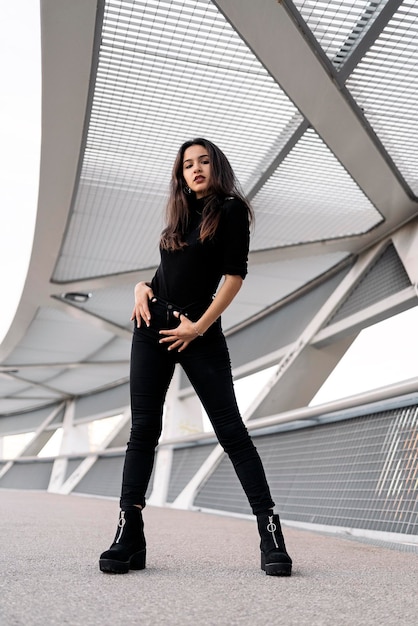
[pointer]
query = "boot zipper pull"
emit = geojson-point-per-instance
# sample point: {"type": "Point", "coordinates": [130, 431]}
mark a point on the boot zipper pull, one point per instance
{"type": "Point", "coordinates": [121, 524]}
{"type": "Point", "coordinates": [271, 527]}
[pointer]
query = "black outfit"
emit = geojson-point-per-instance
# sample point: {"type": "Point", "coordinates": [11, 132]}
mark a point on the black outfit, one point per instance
{"type": "Point", "coordinates": [186, 281]}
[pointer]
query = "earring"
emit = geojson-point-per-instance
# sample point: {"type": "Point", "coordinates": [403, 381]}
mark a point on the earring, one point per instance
{"type": "Point", "coordinates": [187, 190]}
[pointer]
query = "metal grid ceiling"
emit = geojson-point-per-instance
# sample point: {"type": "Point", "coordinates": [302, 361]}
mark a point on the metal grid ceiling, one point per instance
{"type": "Point", "coordinates": [338, 25]}
{"type": "Point", "coordinates": [148, 60]}
{"type": "Point", "coordinates": [310, 197]}
{"type": "Point", "coordinates": [359, 473]}
{"type": "Point", "coordinates": [385, 86]}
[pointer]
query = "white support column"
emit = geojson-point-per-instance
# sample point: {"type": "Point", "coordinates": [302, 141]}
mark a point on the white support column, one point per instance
{"type": "Point", "coordinates": [74, 440]}
{"type": "Point", "coordinates": [82, 469]}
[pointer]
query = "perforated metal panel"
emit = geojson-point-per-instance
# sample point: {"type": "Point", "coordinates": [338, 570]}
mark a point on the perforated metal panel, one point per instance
{"type": "Point", "coordinates": [186, 462]}
{"type": "Point", "coordinates": [384, 278]}
{"type": "Point", "coordinates": [105, 478]}
{"type": "Point", "coordinates": [357, 473]}
{"type": "Point", "coordinates": [72, 465]}
{"type": "Point", "coordinates": [310, 197]}
{"type": "Point", "coordinates": [27, 476]}
{"type": "Point", "coordinates": [338, 25]}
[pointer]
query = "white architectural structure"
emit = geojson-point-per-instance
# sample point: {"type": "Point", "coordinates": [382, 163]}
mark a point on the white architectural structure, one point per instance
{"type": "Point", "coordinates": [315, 104]}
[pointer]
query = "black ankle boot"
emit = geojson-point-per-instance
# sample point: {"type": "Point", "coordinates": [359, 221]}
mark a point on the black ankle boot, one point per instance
{"type": "Point", "coordinates": [128, 548]}
{"type": "Point", "coordinates": [275, 560]}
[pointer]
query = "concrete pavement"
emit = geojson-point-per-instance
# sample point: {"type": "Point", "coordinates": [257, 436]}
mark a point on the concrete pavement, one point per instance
{"type": "Point", "coordinates": [202, 569]}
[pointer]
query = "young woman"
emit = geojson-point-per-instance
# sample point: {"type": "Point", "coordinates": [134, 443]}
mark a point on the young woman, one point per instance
{"type": "Point", "coordinates": [177, 320]}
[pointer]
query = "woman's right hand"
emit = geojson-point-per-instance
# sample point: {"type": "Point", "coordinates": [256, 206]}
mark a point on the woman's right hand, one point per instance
{"type": "Point", "coordinates": [143, 294]}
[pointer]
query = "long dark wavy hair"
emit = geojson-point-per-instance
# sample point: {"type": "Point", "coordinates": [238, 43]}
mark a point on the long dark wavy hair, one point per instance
{"type": "Point", "coordinates": [223, 184]}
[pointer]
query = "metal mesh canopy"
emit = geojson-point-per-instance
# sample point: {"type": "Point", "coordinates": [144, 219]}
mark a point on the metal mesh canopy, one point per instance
{"type": "Point", "coordinates": [385, 85]}
{"type": "Point", "coordinates": [167, 72]}
{"type": "Point", "coordinates": [310, 197]}
{"type": "Point", "coordinates": [338, 25]}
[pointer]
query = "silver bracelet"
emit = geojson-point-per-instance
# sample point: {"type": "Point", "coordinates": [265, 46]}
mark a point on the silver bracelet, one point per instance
{"type": "Point", "coordinates": [196, 330]}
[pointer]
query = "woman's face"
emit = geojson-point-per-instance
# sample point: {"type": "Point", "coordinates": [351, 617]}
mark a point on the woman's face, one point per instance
{"type": "Point", "coordinates": [196, 170]}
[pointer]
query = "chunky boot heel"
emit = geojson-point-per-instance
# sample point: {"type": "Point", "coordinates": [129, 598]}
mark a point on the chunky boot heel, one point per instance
{"type": "Point", "coordinates": [137, 561]}
{"type": "Point", "coordinates": [275, 560]}
{"type": "Point", "coordinates": [128, 548]}
{"type": "Point", "coordinates": [275, 569]}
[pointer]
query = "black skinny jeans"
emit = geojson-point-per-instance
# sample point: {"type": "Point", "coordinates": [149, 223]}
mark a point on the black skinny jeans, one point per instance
{"type": "Point", "coordinates": [207, 365]}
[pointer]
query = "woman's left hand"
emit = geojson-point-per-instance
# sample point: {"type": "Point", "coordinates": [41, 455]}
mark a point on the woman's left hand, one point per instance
{"type": "Point", "coordinates": [182, 335]}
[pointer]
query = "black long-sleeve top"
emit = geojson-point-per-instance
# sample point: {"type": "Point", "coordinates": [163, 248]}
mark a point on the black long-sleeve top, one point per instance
{"type": "Point", "coordinates": [192, 275]}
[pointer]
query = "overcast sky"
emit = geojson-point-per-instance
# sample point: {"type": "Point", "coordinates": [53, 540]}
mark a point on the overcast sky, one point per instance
{"type": "Point", "coordinates": [381, 355]}
{"type": "Point", "coordinates": [20, 128]}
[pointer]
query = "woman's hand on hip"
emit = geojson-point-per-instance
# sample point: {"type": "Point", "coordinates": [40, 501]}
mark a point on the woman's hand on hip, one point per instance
{"type": "Point", "coordinates": [181, 336]}
{"type": "Point", "coordinates": [143, 295]}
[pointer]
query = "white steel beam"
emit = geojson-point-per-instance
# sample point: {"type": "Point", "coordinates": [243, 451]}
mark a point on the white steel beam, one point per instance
{"type": "Point", "coordinates": [68, 35]}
